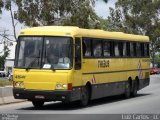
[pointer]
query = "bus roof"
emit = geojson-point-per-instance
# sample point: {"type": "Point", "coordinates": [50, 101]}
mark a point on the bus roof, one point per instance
{"type": "Point", "coordinates": [80, 32]}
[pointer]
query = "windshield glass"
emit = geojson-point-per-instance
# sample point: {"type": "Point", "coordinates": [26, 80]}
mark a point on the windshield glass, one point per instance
{"type": "Point", "coordinates": [58, 53]}
{"type": "Point", "coordinates": [29, 50]}
{"type": "Point", "coordinates": [44, 53]}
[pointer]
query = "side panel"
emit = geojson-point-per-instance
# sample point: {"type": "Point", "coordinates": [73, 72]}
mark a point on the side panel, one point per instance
{"type": "Point", "coordinates": [109, 76]}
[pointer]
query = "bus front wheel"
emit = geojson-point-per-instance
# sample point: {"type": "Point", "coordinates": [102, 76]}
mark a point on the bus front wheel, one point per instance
{"type": "Point", "coordinates": [84, 96]}
{"type": "Point", "coordinates": [38, 104]}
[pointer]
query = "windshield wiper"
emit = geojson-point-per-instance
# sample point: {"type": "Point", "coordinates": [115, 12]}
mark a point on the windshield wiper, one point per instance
{"type": "Point", "coordinates": [32, 62]}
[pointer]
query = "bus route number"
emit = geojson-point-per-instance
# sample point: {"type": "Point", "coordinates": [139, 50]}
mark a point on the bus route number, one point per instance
{"type": "Point", "coordinates": [103, 63]}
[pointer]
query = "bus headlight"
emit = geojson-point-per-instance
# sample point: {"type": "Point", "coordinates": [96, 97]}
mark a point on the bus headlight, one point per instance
{"type": "Point", "coordinates": [19, 84]}
{"type": "Point", "coordinates": [61, 86]}
{"type": "Point", "coordinates": [16, 84]}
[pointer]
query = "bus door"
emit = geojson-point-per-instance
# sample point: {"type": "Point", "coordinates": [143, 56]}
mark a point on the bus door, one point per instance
{"type": "Point", "coordinates": [77, 81]}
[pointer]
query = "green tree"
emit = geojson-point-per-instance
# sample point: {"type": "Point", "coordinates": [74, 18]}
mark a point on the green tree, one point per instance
{"type": "Point", "coordinates": [101, 23]}
{"type": "Point", "coordinates": [82, 14]}
{"type": "Point", "coordinates": [3, 57]}
{"type": "Point", "coordinates": [157, 60]}
{"type": "Point", "coordinates": [56, 12]}
{"type": "Point", "coordinates": [138, 17]}
{"type": "Point", "coordinates": [1, 6]}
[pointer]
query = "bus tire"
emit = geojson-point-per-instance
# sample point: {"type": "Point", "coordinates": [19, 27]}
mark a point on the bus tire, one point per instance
{"type": "Point", "coordinates": [127, 93]}
{"type": "Point", "coordinates": [84, 96]}
{"type": "Point", "coordinates": [38, 104]}
{"type": "Point", "coordinates": [135, 88]}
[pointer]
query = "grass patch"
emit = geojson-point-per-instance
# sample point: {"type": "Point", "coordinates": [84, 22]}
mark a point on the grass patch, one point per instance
{"type": "Point", "coordinates": [4, 82]}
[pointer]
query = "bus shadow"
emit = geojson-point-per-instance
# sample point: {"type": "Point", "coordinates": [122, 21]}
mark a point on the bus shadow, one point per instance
{"type": "Point", "coordinates": [59, 106]}
{"type": "Point", "coordinates": [112, 99]}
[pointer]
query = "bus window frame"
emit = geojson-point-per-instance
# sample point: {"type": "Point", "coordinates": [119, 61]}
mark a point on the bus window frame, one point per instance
{"type": "Point", "coordinates": [43, 47]}
{"type": "Point", "coordinates": [112, 52]}
{"type": "Point", "coordinates": [103, 46]}
{"type": "Point", "coordinates": [78, 64]}
{"type": "Point", "coordinates": [100, 43]}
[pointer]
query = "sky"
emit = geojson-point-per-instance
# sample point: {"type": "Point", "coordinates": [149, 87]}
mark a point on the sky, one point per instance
{"type": "Point", "coordinates": [101, 9]}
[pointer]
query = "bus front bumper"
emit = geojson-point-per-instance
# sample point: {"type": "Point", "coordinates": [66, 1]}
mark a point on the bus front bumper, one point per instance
{"type": "Point", "coordinates": [55, 95]}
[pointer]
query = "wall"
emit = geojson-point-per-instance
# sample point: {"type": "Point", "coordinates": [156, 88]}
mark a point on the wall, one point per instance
{"type": "Point", "coordinates": [6, 95]}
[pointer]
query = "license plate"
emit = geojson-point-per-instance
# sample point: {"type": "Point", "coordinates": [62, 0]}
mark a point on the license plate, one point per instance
{"type": "Point", "coordinates": [39, 97]}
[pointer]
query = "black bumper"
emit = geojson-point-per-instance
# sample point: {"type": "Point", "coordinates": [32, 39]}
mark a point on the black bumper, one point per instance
{"type": "Point", "coordinates": [56, 95]}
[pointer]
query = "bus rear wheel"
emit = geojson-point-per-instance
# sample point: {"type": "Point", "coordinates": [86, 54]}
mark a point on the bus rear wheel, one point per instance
{"type": "Point", "coordinates": [38, 104]}
{"type": "Point", "coordinates": [84, 96]}
{"type": "Point", "coordinates": [127, 90]}
{"type": "Point", "coordinates": [135, 88]}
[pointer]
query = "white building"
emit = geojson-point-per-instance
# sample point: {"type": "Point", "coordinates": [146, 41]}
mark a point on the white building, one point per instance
{"type": "Point", "coordinates": [9, 64]}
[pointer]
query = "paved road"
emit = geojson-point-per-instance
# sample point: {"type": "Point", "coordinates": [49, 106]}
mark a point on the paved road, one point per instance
{"type": "Point", "coordinates": [147, 102]}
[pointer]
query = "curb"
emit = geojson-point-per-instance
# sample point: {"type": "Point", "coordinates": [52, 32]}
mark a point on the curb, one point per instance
{"type": "Point", "coordinates": [6, 95]}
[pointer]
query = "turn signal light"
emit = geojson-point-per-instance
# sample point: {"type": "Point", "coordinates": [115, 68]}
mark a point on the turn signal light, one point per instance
{"type": "Point", "coordinates": [69, 86]}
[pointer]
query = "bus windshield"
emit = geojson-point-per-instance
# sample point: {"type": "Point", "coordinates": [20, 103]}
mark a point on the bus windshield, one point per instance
{"type": "Point", "coordinates": [44, 53]}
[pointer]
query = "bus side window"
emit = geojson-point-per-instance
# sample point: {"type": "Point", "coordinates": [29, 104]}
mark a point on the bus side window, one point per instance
{"type": "Point", "coordinates": [131, 49]}
{"type": "Point", "coordinates": [142, 50]}
{"type": "Point", "coordinates": [87, 47]}
{"type": "Point", "coordinates": [120, 47]}
{"type": "Point", "coordinates": [134, 48]}
{"type": "Point", "coordinates": [146, 49]}
{"type": "Point", "coordinates": [107, 48]}
{"type": "Point", "coordinates": [97, 48]}
{"type": "Point", "coordinates": [77, 54]}
{"type": "Point", "coordinates": [116, 49]}
{"type": "Point", "coordinates": [124, 49]}
{"type": "Point", "coordinates": [84, 47]}
{"type": "Point", "coordinates": [128, 49]}
{"type": "Point", "coordinates": [138, 49]}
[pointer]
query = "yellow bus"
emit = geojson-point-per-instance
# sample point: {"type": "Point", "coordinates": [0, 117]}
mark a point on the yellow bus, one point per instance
{"type": "Point", "coordinates": [62, 63]}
